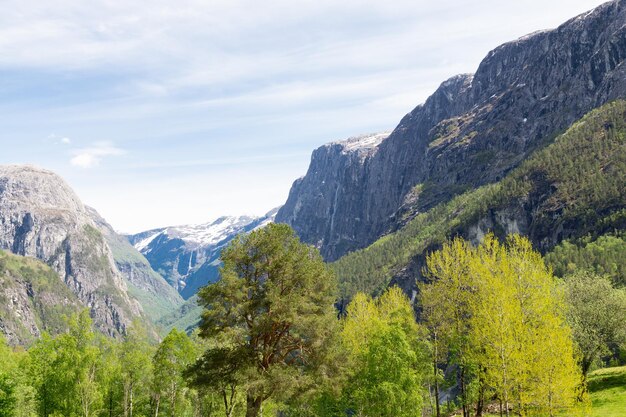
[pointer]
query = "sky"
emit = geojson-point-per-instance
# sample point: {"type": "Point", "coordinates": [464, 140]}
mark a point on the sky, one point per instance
{"type": "Point", "coordinates": [168, 112]}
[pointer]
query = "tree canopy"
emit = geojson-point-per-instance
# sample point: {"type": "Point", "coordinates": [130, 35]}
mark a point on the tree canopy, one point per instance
{"type": "Point", "coordinates": [270, 316]}
{"type": "Point", "coordinates": [500, 313]}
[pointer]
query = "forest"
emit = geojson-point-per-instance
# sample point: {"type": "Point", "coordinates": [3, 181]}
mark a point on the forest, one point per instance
{"type": "Point", "coordinates": [498, 332]}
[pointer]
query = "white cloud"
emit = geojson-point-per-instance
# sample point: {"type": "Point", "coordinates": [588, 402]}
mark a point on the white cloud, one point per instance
{"type": "Point", "coordinates": [92, 156]}
{"type": "Point", "coordinates": [58, 140]}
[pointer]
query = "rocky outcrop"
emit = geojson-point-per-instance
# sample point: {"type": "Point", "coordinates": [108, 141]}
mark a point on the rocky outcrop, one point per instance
{"type": "Point", "coordinates": [325, 206]}
{"type": "Point", "coordinates": [41, 217]}
{"type": "Point", "coordinates": [32, 300]}
{"type": "Point", "coordinates": [188, 256]}
{"type": "Point", "coordinates": [471, 131]}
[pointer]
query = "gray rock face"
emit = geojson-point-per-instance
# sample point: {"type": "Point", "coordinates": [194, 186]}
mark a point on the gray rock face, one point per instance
{"type": "Point", "coordinates": [471, 131]}
{"type": "Point", "coordinates": [188, 256]}
{"type": "Point", "coordinates": [41, 217]}
{"type": "Point", "coordinates": [32, 299]}
{"type": "Point", "coordinates": [325, 207]}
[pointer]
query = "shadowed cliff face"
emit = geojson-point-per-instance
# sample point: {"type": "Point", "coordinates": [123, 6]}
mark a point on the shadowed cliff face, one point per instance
{"type": "Point", "coordinates": [471, 131]}
{"type": "Point", "coordinates": [41, 217]}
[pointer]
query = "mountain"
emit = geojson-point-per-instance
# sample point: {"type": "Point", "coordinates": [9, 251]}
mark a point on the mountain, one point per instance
{"type": "Point", "coordinates": [31, 299]}
{"type": "Point", "coordinates": [325, 206]}
{"type": "Point", "coordinates": [41, 217]}
{"type": "Point", "coordinates": [155, 295]}
{"type": "Point", "coordinates": [564, 197]}
{"type": "Point", "coordinates": [188, 256]}
{"type": "Point", "coordinates": [472, 131]}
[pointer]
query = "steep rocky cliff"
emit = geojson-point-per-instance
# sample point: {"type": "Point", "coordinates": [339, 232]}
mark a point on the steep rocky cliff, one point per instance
{"type": "Point", "coordinates": [325, 207]}
{"type": "Point", "coordinates": [572, 188]}
{"type": "Point", "coordinates": [41, 217]}
{"type": "Point", "coordinates": [472, 131]}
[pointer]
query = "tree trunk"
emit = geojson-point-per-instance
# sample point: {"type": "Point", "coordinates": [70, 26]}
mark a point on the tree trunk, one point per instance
{"type": "Point", "coordinates": [480, 404]}
{"type": "Point", "coordinates": [253, 406]}
{"type": "Point", "coordinates": [464, 394]}
{"type": "Point", "coordinates": [436, 374]}
{"type": "Point", "coordinates": [173, 403]}
{"type": "Point", "coordinates": [125, 400]}
{"type": "Point", "coordinates": [130, 405]}
{"type": "Point", "coordinates": [156, 405]}
{"type": "Point", "coordinates": [229, 403]}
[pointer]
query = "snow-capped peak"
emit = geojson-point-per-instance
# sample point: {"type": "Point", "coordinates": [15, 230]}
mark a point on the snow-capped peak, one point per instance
{"type": "Point", "coordinates": [212, 232]}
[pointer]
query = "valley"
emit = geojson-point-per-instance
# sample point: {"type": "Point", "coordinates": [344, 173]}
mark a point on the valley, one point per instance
{"type": "Point", "coordinates": [470, 261]}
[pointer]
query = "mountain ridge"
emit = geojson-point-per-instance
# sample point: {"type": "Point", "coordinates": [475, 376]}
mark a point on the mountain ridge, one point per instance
{"type": "Point", "coordinates": [470, 132]}
{"type": "Point", "coordinates": [42, 217]}
{"type": "Point", "coordinates": [570, 189]}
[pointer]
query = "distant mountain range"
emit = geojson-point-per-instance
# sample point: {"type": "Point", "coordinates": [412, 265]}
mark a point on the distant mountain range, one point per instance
{"type": "Point", "coordinates": [188, 256]}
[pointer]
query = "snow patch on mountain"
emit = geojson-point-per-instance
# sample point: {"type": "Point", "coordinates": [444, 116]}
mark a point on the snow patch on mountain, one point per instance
{"type": "Point", "coordinates": [362, 142]}
{"type": "Point", "coordinates": [210, 233]}
{"type": "Point", "coordinates": [143, 244]}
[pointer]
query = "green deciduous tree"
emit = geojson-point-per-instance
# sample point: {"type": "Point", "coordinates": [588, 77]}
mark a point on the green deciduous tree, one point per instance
{"type": "Point", "coordinates": [136, 368]}
{"type": "Point", "coordinates": [504, 315]}
{"type": "Point", "coordinates": [63, 370]}
{"type": "Point", "coordinates": [597, 315]}
{"type": "Point", "coordinates": [8, 383]}
{"type": "Point", "coordinates": [446, 302]}
{"type": "Point", "coordinates": [270, 317]}
{"type": "Point", "coordinates": [174, 354]}
{"type": "Point", "coordinates": [387, 356]}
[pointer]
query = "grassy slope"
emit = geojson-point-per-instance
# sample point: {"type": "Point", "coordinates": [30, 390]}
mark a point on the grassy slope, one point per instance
{"type": "Point", "coordinates": [158, 298]}
{"type": "Point", "coordinates": [185, 318]}
{"type": "Point", "coordinates": [579, 180]}
{"type": "Point", "coordinates": [608, 392]}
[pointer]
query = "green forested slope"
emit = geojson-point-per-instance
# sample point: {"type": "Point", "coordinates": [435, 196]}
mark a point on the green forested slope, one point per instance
{"type": "Point", "coordinates": [571, 188]}
{"type": "Point", "coordinates": [605, 255]}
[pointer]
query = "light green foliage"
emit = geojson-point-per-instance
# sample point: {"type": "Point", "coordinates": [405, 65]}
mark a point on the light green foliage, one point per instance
{"type": "Point", "coordinates": [270, 317]}
{"type": "Point", "coordinates": [8, 383]}
{"type": "Point", "coordinates": [175, 353]}
{"type": "Point", "coordinates": [597, 314]}
{"type": "Point", "coordinates": [387, 358]}
{"type": "Point", "coordinates": [500, 313]}
{"type": "Point", "coordinates": [447, 306]}
{"type": "Point", "coordinates": [135, 354]}
{"type": "Point", "coordinates": [110, 378]}
{"type": "Point", "coordinates": [63, 370]}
